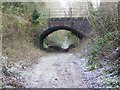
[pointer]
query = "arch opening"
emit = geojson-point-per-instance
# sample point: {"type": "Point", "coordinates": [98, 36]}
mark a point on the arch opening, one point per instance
{"type": "Point", "coordinates": [51, 30]}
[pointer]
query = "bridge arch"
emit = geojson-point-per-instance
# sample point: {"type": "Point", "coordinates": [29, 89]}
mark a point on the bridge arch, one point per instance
{"type": "Point", "coordinates": [56, 28]}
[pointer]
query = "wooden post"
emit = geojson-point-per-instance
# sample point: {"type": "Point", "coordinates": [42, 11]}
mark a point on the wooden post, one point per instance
{"type": "Point", "coordinates": [49, 13]}
{"type": "Point", "coordinates": [49, 19]}
{"type": "Point", "coordinates": [70, 12]}
{"type": "Point", "coordinates": [71, 18]}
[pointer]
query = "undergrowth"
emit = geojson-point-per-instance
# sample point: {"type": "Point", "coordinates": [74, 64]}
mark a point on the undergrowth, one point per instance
{"type": "Point", "coordinates": [105, 24]}
{"type": "Point", "coordinates": [99, 49]}
{"type": "Point", "coordinates": [19, 30]}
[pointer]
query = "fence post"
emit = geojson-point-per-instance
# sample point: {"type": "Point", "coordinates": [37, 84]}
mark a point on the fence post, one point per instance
{"type": "Point", "coordinates": [70, 12]}
{"type": "Point", "coordinates": [71, 18]}
{"type": "Point", "coordinates": [49, 19]}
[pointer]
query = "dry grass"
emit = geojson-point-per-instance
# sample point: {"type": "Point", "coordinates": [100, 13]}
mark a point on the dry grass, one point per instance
{"type": "Point", "coordinates": [25, 52]}
{"type": "Point", "coordinates": [16, 43]}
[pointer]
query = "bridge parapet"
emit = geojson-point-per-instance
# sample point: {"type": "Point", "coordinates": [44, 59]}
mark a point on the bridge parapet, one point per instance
{"type": "Point", "coordinates": [70, 18]}
{"type": "Point", "coordinates": [66, 13]}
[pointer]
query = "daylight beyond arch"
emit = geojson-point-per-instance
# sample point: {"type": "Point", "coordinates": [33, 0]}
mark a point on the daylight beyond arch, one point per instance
{"type": "Point", "coordinates": [56, 28]}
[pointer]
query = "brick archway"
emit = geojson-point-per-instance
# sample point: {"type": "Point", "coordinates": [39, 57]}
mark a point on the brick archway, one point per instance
{"type": "Point", "coordinates": [56, 28]}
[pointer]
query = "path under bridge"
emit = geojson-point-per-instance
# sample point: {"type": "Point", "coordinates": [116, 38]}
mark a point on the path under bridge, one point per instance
{"type": "Point", "coordinates": [59, 20]}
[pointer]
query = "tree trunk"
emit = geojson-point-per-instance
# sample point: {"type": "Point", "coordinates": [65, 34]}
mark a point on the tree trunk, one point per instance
{"type": "Point", "coordinates": [1, 33]}
{"type": "Point", "coordinates": [119, 15]}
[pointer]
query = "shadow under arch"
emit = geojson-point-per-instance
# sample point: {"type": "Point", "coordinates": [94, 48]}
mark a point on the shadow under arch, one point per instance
{"type": "Point", "coordinates": [56, 28]}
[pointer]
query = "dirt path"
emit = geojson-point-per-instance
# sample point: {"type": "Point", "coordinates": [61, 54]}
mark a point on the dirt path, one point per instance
{"type": "Point", "coordinates": [55, 70]}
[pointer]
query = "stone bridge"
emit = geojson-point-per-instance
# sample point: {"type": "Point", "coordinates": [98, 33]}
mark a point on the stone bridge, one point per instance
{"type": "Point", "coordinates": [79, 26]}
